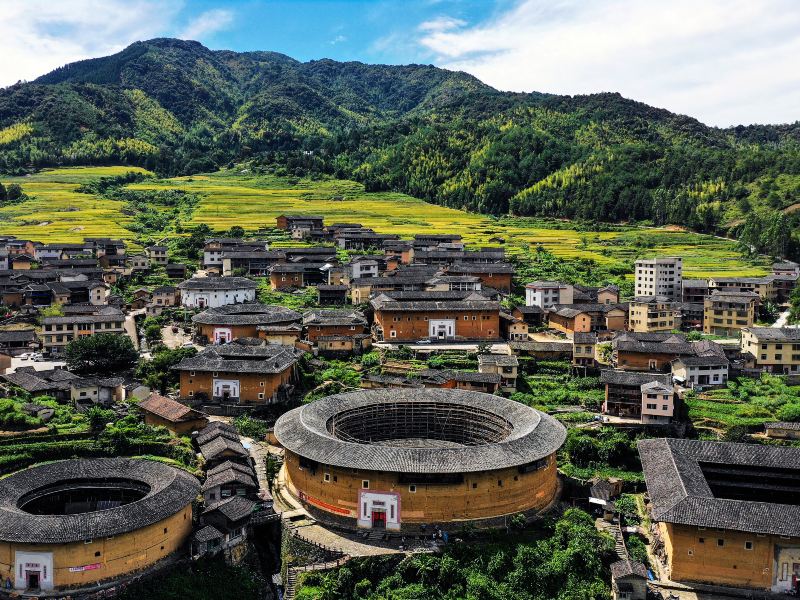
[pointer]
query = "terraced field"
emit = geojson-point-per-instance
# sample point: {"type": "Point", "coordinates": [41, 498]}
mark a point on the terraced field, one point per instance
{"type": "Point", "coordinates": [235, 198]}
{"type": "Point", "coordinates": [56, 213]}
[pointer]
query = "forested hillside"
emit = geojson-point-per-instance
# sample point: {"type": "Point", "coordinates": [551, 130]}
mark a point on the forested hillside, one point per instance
{"type": "Point", "coordinates": [177, 107]}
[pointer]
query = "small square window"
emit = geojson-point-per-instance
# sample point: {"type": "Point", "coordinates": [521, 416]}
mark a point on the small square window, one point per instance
{"type": "Point", "coordinates": [326, 477]}
{"type": "Point", "coordinates": [720, 542]}
{"type": "Point", "coordinates": [97, 553]}
{"type": "Point", "coordinates": [701, 540]}
{"type": "Point", "coordinates": [474, 486]}
{"type": "Point", "coordinates": [412, 489]}
{"type": "Point", "coordinates": [748, 545]}
{"type": "Point", "coordinates": [499, 483]}
{"type": "Point", "coordinates": [365, 484]}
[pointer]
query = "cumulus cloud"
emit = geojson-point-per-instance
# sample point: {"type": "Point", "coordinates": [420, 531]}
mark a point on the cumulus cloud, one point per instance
{"type": "Point", "coordinates": [36, 36]}
{"type": "Point", "coordinates": [207, 23]}
{"type": "Point", "coordinates": [338, 40]}
{"type": "Point", "coordinates": [723, 61]}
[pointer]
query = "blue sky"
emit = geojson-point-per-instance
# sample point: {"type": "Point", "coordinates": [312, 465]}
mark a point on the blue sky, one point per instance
{"type": "Point", "coordinates": [724, 62]}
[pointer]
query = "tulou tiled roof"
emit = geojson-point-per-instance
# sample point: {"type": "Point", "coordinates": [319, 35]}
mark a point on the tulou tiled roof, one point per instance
{"type": "Point", "coordinates": [168, 409]}
{"type": "Point", "coordinates": [246, 314]}
{"type": "Point", "coordinates": [239, 358]}
{"type": "Point", "coordinates": [680, 492]}
{"type": "Point", "coordinates": [170, 490]}
{"type": "Point", "coordinates": [532, 435]}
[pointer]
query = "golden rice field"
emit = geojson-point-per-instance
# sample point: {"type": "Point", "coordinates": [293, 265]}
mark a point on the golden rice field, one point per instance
{"type": "Point", "coordinates": [233, 198]}
{"type": "Point", "coordinates": [56, 213]}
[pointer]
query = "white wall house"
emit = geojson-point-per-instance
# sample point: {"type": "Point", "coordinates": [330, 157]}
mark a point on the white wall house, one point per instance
{"type": "Point", "coordinates": [213, 292]}
{"type": "Point", "coordinates": [545, 294]}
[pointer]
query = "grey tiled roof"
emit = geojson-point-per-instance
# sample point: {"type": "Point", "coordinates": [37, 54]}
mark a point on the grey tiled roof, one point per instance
{"type": "Point", "coordinates": [633, 378]}
{"type": "Point", "coordinates": [680, 493]}
{"type": "Point", "coordinates": [220, 444]}
{"type": "Point", "coordinates": [227, 476]}
{"type": "Point", "coordinates": [246, 314]}
{"type": "Point", "coordinates": [501, 360]}
{"type": "Point", "coordinates": [626, 568]}
{"type": "Point", "coordinates": [534, 435]}
{"type": "Point", "coordinates": [778, 334]}
{"type": "Point", "coordinates": [334, 318]}
{"type": "Point", "coordinates": [239, 358]}
{"type": "Point", "coordinates": [789, 425]}
{"type": "Point", "coordinates": [171, 490]}
{"type": "Point", "coordinates": [215, 428]}
{"type": "Point", "coordinates": [208, 533]}
{"type": "Point", "coordinates": [234, 508]}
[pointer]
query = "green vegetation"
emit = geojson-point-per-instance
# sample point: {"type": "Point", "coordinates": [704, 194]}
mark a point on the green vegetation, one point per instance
{"type": "Point", "coordinates": [101, 353]}
{"type": "Point", "coordinates": [604, 452]}
{"type": "Point", "coordinates": [250, 427]}
{"type": "Point", "coordinates": [175, 107]}
{"type": "Point", "coordinates": [565, 560]}
{"type": "Point", "coordinates": [157, 372]}
{"type": "Point", "coordinates": [744, 404]}
{"type": "Point", "coordinates": [206, 579]}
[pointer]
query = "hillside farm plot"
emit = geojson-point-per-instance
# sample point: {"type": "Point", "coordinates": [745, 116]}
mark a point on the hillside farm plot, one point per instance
{"type": "Point", "coordinates": [55, 212]}
{"type": "Point", "coordinates": [253, 202]}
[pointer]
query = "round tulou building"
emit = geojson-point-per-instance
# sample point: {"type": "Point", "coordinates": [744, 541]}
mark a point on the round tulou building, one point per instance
{"type": "Point", "coordinates": [74, 523]}
{"type": "Point", "coordinates": [385, 458]}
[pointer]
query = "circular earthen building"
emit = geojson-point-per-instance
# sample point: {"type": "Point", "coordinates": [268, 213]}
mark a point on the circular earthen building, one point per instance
{"type": "Point", "coordinates": [387, 457]}
{"type": "Point", "coordinates": [75, 523]}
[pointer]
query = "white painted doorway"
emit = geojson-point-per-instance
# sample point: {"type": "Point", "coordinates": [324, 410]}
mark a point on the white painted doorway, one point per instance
{"type": "Point", "coordinates": [441, 328]}
{"type": "Point", "coordinates": [226, 389]}
{"type": "Point", "coordinates": [379, 510]}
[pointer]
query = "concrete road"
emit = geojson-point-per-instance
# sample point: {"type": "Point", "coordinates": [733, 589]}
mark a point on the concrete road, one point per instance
{"type": "Point", "coordinates": [781, 322]}
{"type": "Point", "coordinates": [176, 340]}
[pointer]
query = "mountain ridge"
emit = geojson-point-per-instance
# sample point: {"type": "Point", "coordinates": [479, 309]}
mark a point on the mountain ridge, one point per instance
{"type": "Point", "coordinates": [177, 107]}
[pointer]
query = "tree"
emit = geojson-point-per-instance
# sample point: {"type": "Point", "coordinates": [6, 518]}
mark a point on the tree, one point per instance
{"type": "Point", "coordinates": [236, 232]}
{"type": "Point", "coordinates": [3, 195]}
{"type": "Point", "coordinates": [157, 372]}
{"type": "Point", "coordinates": [14, 192]}
{"type": "Point", "coordinates": [105, 353]}
{"type": "Point", "coordinates": [98, 417]}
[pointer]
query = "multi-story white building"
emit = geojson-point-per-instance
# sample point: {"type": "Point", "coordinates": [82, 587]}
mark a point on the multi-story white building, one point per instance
{"type": "Point", "coordinates": [545, 294]}
{"type": "Point", "coordinates": [660, 277]}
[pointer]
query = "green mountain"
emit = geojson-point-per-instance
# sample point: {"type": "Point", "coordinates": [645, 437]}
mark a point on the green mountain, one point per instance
{"type": "Point", "coordinates": [177, 107]}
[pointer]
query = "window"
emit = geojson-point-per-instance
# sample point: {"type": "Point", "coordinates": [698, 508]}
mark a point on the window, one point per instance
{"type": "Point", "coordinates": [748, 545]}
{"type": "Point", "coordinates": [499, 483]}
{"type": "Point", "coordinates": [97, 553]}
{"type": "Point", "coordinates": [412, 489]}
{"type": "Point", "coordinates": [191, 373]}
{"type": "Point", "coordinates": [701, 540]}
{"type": "Point", "coordinates": [165, 530]}
{"type": "Point", "coordinates": [365, 484]}
{"type": "Point", "coordinates": [474, 486]}
{"type": "Point", "coordinates": [261, 395]}
{"type": "Point", "coordinates": [326, 477]}
{"type": "Point", "coordinates": [191, 393]}
{"type": "Point", "coordinates": [720, 542]}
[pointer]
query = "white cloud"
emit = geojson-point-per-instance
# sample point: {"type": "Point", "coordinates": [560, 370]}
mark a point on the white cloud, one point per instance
{"type": "Point", "coordinates": [338, 40]}
{"type": "Point", "coordinates": [440, 24]}
{"type": "Point", "coordinates": [722, 61]}
{"type": "Point", "coordinates": [36, 36]}
{"type": "Point", "coordinates": [207, 23]}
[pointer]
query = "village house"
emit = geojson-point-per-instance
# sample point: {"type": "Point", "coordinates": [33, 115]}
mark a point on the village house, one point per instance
{"type": "Point", "coordinates": [300, 226]}
{"type": "Point", "coordinates": [215, 248]}
{"type": "Point", "coordinates": [335, 322]}
{"type": "Point", "coordinates": [648, 314]}
{"type": "Point", "coordinates": [695, 290]}
{"type": "Point", "coordinates": [288, 276]}
{"type": "Point", "coordinates": [505, 365]}
{"type": "Point", "coordinates": [658, 404]}
{"type": "Point", "coordinates": [784, 286]}
{"type": "Point", "coordinates": [223, 447]}
{"type": "Point", "coordinates": [656, 351]}
{"type": "Point", "coordinates": [691, 316]}
{"type": "Point", "coordinates": [628, 580]}
{"type": "Point", "coordinates": [178, 418]}
{"type": "Point", "coordinates": [782, 430]}
{"type": "Point", "coordinates": [138, 262]}
{"type": "Point", "coordinates": [513, 328]}
{"type": "Point", "coordinates": [342, 346]}
{"type": "Point", "coordinates": [556, 350]}
{"type": "Point", "coordinates": [251, 263]}
{"type": "Point", "coordinates": [786, 267]}
{"type": "Point", "coordinates": [213, 292]}
{"type": "Point", "coordinates": [432, 241]}
{"type": "Point", "coordinates": [230, 517]}
{"type": "Point", "coordinates": [584, 346]}
{"type": "Point", "coordinates": [607, 294]}
{"type": "Point", "coordinates": [496, 275]}
{"type": "Point", "coordinates": [227, 323]}
{"type": "Point", "coordinates": [583, 318]}
{"type": "Point", "coordinates": [229, 479]}
{"type": "Point", "coordinates": [727, 313]}
{"type": "Point", "coordinates": [283, 334]}
{"type": "Point", "coordinates": [703, 371]}
{"type": "Point", "coordinates": [545, 294]}
{"type": "Point", "coordinates": [362, 239]}
{"type": "Point", "coordinates": [141, 298]}
{"type": "Point", "coordinates": [764, 287]}
{"type": "Point", "coordinates": [176, 270]}
{"type": "Point", "coordinates": [533, 316]}
{"type": "Point", "coordinates": [626, 394]}
{"type": "Point", "coordinates": [473, 318]}
{"type": "Point", "coordinates": [488, 383]}
{"type": "Point", "coordinates": [726, 514]}
{"type": "Point", "coordinates": [164, 296]}
{"type": "Point", "coordinates": [157, 255]}
{"type": "Point", "coordinates": [14, 342]}
{"type": "Point", "coordinates": [661, 276]}
{"type": "Point", "coordinates": [772, 349]}
{"type": "Point", "coordinates": [332, 295]}
{"type": "Point", "coordinates": [57, 332]}
{"type": "Point", "coordinates": [239, 374]}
